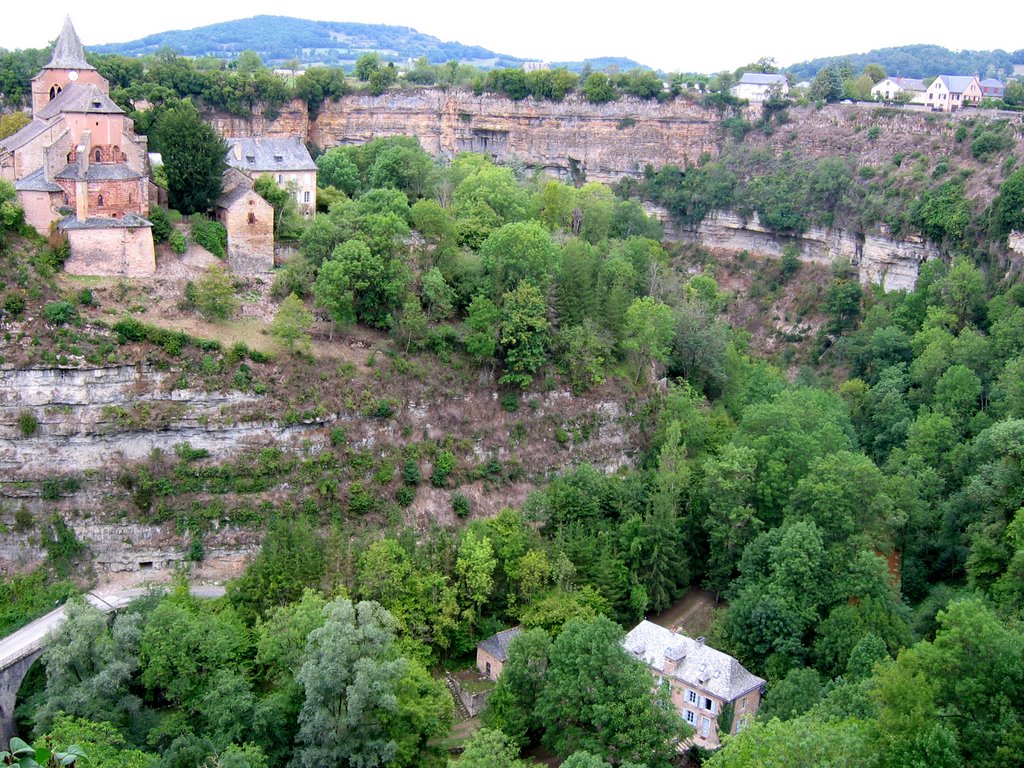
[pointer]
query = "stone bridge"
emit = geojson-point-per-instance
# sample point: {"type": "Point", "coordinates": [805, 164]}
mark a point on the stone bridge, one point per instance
{"type": "Point", "coordinates": [20, 650]}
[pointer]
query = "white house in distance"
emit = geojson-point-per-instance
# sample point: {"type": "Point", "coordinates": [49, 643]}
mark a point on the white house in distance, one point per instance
{"type": "Point", "coordinates": [948, 93]}
{"type": "Point", "coordinates": [702, 680]}
{"type": "Point", "coordinates": [900, 88]}
{"type": "Point", "coordinates": [757, 86]}
{"type": "Point", "coordinates": [286, 160]}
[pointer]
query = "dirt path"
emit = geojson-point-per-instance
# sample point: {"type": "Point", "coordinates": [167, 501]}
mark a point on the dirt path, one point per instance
{"type": "Point", "coordinates": [691, 614]}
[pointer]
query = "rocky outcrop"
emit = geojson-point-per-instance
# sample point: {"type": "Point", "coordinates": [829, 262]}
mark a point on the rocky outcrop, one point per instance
{"type": "Point", "coordinates": [881, 260]}
{"type": "Point", "coordinates": [601, 142]}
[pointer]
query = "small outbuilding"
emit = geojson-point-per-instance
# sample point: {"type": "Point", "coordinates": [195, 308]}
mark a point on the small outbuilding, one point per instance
{"type": "Point", "coordinates": [249, 221]}
{"type": "Point", "coordinates": [492, 653]}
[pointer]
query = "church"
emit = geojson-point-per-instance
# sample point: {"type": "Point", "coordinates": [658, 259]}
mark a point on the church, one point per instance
{"type": "Point", "coordinates": [80, 166]}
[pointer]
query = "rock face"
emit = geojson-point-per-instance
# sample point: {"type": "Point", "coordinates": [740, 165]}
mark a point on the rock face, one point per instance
{"type": "Point", "coordinates": [599, 142]}
{"type": "Point", "coordinates": [893, 264]}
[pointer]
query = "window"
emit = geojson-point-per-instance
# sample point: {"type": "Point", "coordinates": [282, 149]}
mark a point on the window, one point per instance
{"type": "Point", "coordinates": [280, 178]}
{"type": "Point", "coordinates": [488, 665]}
{"type": "Point", "coordinates": [741, 724]}
{"type": "Point", "coordinates": [705, 727]}
{"type": "Point", "coordinates": [691, 696]}
{"type": "Point", "coordinates": [99, 201]}
{"type": "Point", "coordinates": [305, 197]}
{"type": "Point", "coordinates": [743, 703]}
{"type": "Point", "coordinates": [691, 718]}
{"type": "Point", "coordinates": [252, 217]}
{"type": "Point", "coordinates": [98, 155]}
{"type": "Point", "coordinates": [708, 704]}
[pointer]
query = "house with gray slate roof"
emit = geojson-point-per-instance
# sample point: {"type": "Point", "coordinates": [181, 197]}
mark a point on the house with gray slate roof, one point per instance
{"type": "Point", "coordinates": [758, 86]}
{"type": "Point", "coordinates": [948, 93]}
{"type": "Point", "coordinates": [702, 680]}
{"type": "Point", "coordinates": [285, 160]}
{"type": "Point", "coordinates": [492, 653]}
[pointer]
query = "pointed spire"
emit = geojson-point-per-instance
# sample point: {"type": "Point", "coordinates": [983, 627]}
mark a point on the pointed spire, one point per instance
{"type": "Point", "coordinates": [68, 52]}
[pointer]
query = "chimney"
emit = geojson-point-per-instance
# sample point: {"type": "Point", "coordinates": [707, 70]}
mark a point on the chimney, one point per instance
{"type": "Point", "coordinates": [82, 185]}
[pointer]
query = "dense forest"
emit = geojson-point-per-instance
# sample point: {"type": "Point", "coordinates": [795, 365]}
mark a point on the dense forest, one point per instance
{"type": "Point", "coordinates": [919, 61]}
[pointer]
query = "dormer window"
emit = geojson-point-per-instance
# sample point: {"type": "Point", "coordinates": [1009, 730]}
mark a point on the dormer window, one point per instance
{"type": "Point", "coordinates": [97, 104]}
{"type": "Point", "coordinates": [278, 158]}
{"type": "Point", "coordinates": [250, 158]}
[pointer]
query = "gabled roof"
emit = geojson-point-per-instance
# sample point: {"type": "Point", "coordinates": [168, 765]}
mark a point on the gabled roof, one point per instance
{"type": "Point", "coordinates": [237, 193]}
{"type": "Point", "coordinates": [497, 645]}
{"type": "Point", "coordinates": [36, 182]}
{"type": "Point", "coordinates": [956, 83]}
{"type": "Point", "coordinates": [269, 155]}
{"type": "Point", "coordinates": [991, 82]}
{"type": "Point", "coordinates": [910, 84]}
{"type": "Point", "coordinates": [68, 52]}
{"type": "Point", "coordinates": [698, 664]}
{"type": "Point", "coordinates": [81, 99]}
{"type": "Point", "coordinates": [23, 136]}
{"type": "Point", "coordinates": [760, 78]}
{"type": "Point", "coordinates": [99, 172]}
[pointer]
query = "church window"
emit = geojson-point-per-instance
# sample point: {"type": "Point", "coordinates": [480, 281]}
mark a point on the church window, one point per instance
{"type": "Point", "coordinates": [54, 90]}
{"type": "Point", "coordinates": [98, 155]}
{"type": "Point", "coordinates": [99, 200]}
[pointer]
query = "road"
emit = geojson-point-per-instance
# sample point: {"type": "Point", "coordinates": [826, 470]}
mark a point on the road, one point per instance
{"type": "Point", "coordinates": [31, 637]}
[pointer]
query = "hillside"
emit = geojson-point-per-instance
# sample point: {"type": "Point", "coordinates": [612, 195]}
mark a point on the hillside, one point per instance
{"type": "Point", "coordinates": [919, 61]}
{"type": "Point", "coordinates": [280, 38]}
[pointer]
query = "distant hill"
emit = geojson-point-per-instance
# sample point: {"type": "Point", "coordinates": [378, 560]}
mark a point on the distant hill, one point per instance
{"type": "Point", "coordinates": [919, 61]}
{"type": "Point", "coordinates": [280, 38]}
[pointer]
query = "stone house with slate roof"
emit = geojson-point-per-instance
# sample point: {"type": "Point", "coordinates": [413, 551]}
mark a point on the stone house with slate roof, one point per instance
{"type": "Point", "coordinates": [285, 160]}
{"type": "Point", "coordinates": [79, 164]}
{"type": "Point", "coordinates": [492, 653]}
{"type": "Point", "coordinates": [249, 221]}
{"type": "Point", "coordinates": [702, 680]}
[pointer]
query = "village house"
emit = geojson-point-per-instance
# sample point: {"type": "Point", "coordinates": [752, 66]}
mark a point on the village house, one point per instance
{"type": "Point", "coordinates": [492, 653]}
{"type": "Point", "coordinates": [992, 88]}
{"type": "Point", "coordinates": [249, 221]}
{"type": "Point", "coordinates": [900, 89]}
{"type": "Point", "coordinates": [948, 93]}
{"type": "Point", "coordinates": [757, 86]}
{"type": "Point", "coordinates": [704, 683]}
{"type": "Point", "coordinates": [78, 164]}
{"type": "Point", "coordinates": [285, 160]}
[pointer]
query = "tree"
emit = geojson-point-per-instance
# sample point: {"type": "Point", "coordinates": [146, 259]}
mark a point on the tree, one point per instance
{"type": "Point", "coordinates": [350, 677]}
{"type": "Point", "coordinates": [511, 706]}
{"type": "Point", "coordinates": [483, 323]}
{"type": "Point", "coordinates": [215, 294]}
{"type": "Point", "coordinates": [336, 169]}
{"type": "Point", "coordinates": [488, 749]}
{"type": "Point", "coordinates": [286, 210]}
{"type": "Point", "coordinates": [598, 89]}
{"type": "Point", "coordinates": [648, 332]}
{"type": "Point", "coordinates": [193, 157]}
{"type": "Point", "coordinates": [516, 252]}
{"type": "Point", "coordinates": [1008, 207]}
{"type": "Point", "coordinates": [474, 569]}
{"type": "Point", "coordinates": [291, 325]}
{"type": "Point", "coordinates": [600, 699]}
{"type": "Point", "coordinates": [366, 65]}
{"type": "Point", "coordinates": [524, 334]}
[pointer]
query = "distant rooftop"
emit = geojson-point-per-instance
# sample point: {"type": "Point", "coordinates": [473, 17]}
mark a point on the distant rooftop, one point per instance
{"type": "Point", "coordinates": [957, 83]}
{"type": "Point", "coordinates": [760, 78]}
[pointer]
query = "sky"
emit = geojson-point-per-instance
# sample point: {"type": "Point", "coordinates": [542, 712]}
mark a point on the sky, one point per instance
{"type": "Point", "coordinates": [672, 35]}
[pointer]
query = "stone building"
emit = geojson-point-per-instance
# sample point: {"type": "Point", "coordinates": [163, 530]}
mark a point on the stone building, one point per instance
{"type": "Point", "coordinates": [249, 221]}
{"type": "Point", "coordinates": [79, 164]}
{"type": "Point", "coordinates": [703, 682]}
{"type": "Point", "coordinates": [285, 160]}
{"type": "Point", "coordinates": [492, 653]}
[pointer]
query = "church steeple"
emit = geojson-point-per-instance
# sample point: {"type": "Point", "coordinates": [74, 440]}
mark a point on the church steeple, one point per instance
{"type": "Point", "coordinates": [68, 52]}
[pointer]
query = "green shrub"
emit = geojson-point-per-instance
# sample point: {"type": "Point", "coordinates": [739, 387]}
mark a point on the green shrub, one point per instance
{"type": "Point", "coordinates": [461, 505]}
{"type": "Point", "coordinates": [161, 224]}
{"type": "Point", "coordinates": [338, 437]}
{"type": "Point", "coordinates": [214, 294]}
{"type": "Point", "coordinates": [60, 312]}
{"type": "Point", "coordinates": [411, 474]}
{"type": "Point", "coordinates": [14, 304]}
{"type": "Point", "coordinates": [28, 424]}
{"type": "Point", "coordinates": [874, 132]}
{"type": "Point", "coordinates": [510, 402]}
{"type": "Point", "coordinates": [405, 495]}
{"type": "Point", "coordinates": [86, 298]}
{"type": "Point", "coordinates": [211, 235]}
{"type": "Point", "coordinates": [187, 453]}
{"type": "Point", "coordinates": [178, 242]}
{"type": "Point", "coordinates": [444, 465]}
{"type": "Point", "coordinates": [360, 501]}
{"type": "Point", "coordinates": [384, 408]}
